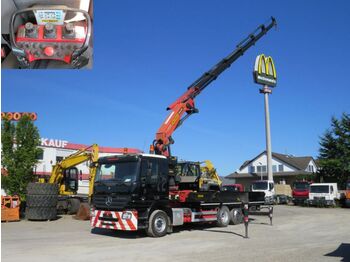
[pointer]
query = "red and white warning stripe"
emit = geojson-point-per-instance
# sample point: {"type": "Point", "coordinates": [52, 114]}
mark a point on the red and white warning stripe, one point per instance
{"type": "Point", "coordinates": [114, 220]}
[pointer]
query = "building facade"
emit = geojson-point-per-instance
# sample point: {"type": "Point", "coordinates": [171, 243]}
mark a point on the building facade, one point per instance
{"type": "Point", "coordinates": [54, 150]}
{"type": "Point", "coordinates": [285, 169]}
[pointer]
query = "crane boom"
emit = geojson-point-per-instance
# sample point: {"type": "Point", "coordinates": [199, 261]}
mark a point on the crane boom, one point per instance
{"type": "Point", "coordinates": [185, 103]}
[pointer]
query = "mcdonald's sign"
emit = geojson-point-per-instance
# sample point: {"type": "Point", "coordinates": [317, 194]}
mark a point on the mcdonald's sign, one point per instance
{"type": "Point", "coordinates": [265, 71]}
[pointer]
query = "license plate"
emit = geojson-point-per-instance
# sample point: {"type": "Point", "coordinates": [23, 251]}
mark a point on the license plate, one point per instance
{"type": "Point", "coordinates": [55, 17]}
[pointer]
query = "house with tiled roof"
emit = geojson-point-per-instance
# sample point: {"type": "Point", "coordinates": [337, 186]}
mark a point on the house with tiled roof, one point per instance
{"type": "Point", "coordinates": [285, 168]}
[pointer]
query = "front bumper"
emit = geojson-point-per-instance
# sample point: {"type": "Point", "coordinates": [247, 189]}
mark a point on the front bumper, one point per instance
{"type": "Point", "coordinates": [269, 200]}
{"type": "Point", "coordinates": [118, 220]}
{"type": "Point", "coordinates": [320, 202]}
{"type": "Point", "coordinates": [300, 200]}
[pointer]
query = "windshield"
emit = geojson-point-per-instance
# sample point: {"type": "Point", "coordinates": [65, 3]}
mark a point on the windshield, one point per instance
{"type": "Point", "coordinates": [123, 171]}
{"type": "Point", "coordinates": [319, 189]}
{"type": "Point", "coordinates": [259, 185]}
{"type": "Point", "coordinates": [301, 185]}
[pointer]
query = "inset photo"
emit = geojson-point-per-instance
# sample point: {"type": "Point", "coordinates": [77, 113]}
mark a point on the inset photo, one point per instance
{"type": "Point", "coordinates": [46, 34]}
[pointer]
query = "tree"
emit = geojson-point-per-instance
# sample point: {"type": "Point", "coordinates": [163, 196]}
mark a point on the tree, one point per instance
{"type": "Point", "coordinates": [19, 154]}
{"type": "Point", "coordinates": [335, 151]}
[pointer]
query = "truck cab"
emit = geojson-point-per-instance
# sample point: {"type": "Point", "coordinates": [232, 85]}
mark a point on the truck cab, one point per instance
{"type": "Point", "coordinates": [266, 186]}
{"type": "Point", "coordinates": [300, 192]}
{"type": "Point", "coordinates": [323, 194]}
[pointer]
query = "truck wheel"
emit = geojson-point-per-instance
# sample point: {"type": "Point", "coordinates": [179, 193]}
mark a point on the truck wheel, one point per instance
{"type": "Point", "coordinates": [42, 189]}
{"type": "Point", "coordinates": [223, 217]}
{"type": "Point", "coordinates": [41, 213]}
{"type": "Point", "coordinates": [41, 200]}
{"type": "Point", "coordinates": [158, 224]}
{"type": "Point", "coordinates": [73, 206]}
{"type": "Point", "coordinates": [236, 216]}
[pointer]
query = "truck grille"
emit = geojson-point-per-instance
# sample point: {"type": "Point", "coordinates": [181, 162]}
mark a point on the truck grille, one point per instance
{"type": "Point", "coordinates": [110, 202]}
{"type": "Point", "coordinates": [319, 198]}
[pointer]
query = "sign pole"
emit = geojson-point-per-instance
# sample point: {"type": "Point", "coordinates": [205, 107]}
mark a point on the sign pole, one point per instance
{"type": "Point", "coordinates": [265, 74]}
{"type": "Point", "coordinates": [266, 91]}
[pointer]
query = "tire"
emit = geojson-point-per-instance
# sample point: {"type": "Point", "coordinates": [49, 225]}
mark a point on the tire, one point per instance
{"type": "Point", "coordinates": [41, 200]}
{"type": "Point", "coordinates": [158, 224]}
{"type": "Point", "coordinates": [42, 189]}
{"type": "Point", "coordinates": [236, 216]}
{"type": "Point", "coordinates": [41, 213]}
{"type": "Point", "coordinates": [223, 217]}
{"type": "Point", "coordinates": [73, 205]}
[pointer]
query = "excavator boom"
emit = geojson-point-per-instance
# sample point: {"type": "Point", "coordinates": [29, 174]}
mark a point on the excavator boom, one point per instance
{"type": "Point", "coordinates": [184, 106]}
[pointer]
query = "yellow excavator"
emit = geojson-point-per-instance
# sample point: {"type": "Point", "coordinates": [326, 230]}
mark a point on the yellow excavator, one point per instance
{"type": "Point", "coordinates": [65, 173]}
{"type": "Point", "coordinates": [66, 176]}
{"type": "Point", "coordinates": [209, 177]}
{"type": "Point", "coordinates": [198, 176]}
{"type": "Point", "coordinates": [60, 192]}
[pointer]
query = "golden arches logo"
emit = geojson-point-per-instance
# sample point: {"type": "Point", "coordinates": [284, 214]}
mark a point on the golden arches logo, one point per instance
{"type": "Point", "coordinates": [265, 71]}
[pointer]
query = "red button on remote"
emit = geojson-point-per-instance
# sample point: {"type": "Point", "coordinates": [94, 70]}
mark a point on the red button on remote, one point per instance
{"type": "Point", "coordinates": [49, 51]}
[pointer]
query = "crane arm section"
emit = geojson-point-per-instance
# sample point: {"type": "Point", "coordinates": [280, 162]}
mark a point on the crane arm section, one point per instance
{"type": "Point", "coordinates": [184, 106]}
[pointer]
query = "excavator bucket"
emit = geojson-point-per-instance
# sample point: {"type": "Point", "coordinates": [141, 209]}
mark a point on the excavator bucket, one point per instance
{"type": "Point", "coordinates": [83, 212]}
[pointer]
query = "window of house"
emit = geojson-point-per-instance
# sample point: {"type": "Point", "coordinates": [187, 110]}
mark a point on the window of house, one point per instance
{"type": "Point", "coordinates": [252, 169]}
{"type": "Point", "coordinates": [280, 168]}
{"type": "Point", "coordinates": [311, 168]}
{"type": "Point", "coordinates": [59, 158]}
{"type": "Point", "coordinates": [274, 168]}
{"type": "Point", "coordinates": [261, 169]}
{"type": "Point", "coordinates": [40, 156]}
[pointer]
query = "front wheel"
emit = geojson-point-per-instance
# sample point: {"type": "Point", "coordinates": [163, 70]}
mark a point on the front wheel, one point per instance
{"type": "Point", "coordinates": [158, 224]}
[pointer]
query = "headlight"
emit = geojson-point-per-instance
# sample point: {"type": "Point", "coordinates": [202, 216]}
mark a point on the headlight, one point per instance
{"type": "Point", "coordinates": [126, 215]}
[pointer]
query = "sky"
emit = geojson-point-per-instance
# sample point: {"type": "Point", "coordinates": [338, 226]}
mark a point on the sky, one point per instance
{"type": "Point", "coordinates": [146, 53]}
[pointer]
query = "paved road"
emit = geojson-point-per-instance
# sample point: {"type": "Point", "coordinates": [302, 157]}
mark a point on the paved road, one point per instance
{"type": "Point", "coordinates": [298, 234]}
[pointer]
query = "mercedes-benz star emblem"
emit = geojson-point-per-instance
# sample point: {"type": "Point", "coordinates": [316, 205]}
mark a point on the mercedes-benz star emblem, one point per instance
{"type": "Point", "coordinates": [109, 200]}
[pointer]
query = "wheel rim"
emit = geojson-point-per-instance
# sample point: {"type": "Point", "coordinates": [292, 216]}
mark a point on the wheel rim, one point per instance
{"type": "Point", "coordinates": [159, 224]}
{"type": "Point", "coordinates": [224, 216]}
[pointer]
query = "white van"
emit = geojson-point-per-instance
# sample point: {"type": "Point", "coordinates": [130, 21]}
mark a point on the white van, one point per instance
{"type": "Point", "coordinates": [266, 186]}
{"type": "Point", "coordinates": [324, 194]}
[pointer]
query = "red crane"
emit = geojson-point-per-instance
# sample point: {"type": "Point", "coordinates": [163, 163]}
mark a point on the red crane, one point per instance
{"type": "Point", "coordinates": [184, 106]}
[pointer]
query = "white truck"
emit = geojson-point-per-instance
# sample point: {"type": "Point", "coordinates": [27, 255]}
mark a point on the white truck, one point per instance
{"type": "Point", "coordinates": [266, 186]}
{"type": "Point", "coordinates": [323, 194]}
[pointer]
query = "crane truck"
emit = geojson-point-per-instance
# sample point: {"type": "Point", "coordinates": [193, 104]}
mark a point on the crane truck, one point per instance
{"type": "Point", "coordinates": [60, 192]}
{"type": "Point", "coordinates": [147, 191]}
